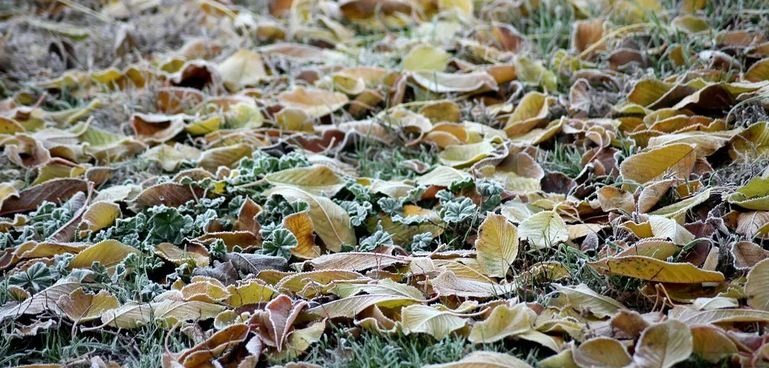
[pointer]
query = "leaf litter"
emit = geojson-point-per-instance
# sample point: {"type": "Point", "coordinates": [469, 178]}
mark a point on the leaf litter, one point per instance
{"type": "Point", "coordinates": [265, 183]}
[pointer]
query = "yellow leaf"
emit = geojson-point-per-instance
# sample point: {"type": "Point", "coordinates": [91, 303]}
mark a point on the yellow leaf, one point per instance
{"type": "Point", "coordinates": [677, 211]}
{"type": "Point", "coordinates": [204, 126]}
{"type": "Point", "coordinates": [355, 261]}
{"type": "Point", "coordinates": [462, 7]}
{"type": "Point", "coordinates": [98, 216]}
{"type": "Point", "coordinates": [80, 306]}
{"type": "Point", "coordinates": [691, 6]}
{"type": "Point", "coordinates": [647, 91]}
{"type": "Point", "coordinates": [532, 111]}
{"type": "Point", "coordinates": [751, 142]}
{"type": "Point", "coordinates": [651, 269]}
{"type": "Point", "coordinates": [532, 72]}
{"type": "Point", "coordinates": [690, 24]}
{"type": "Point", "coordinates": [504, 321]}
{"type": "Point", "coordinates": [166, 312]}
{"type": "Point", "coordinates": [601, 352]}
{"type": "Point", "coordinates": [10, 126]}
{"type": "Point", "coordinates": [663, 345]}
{"type": "Point", "coordinates": [227, 156]}
{"type": "Point", "coordinates": [564, 359]}
{"type": "Point", "coordinates": [444, 111]}
{"type": "Point", "coordinates": [300, 340]}
{"type": "Point", "coordinates": [250, 292]}
{"type": "Point", "coordinates": [426, 319]}
{"type": "Point", "coordinates": [755, 286]}
{"type": "Point", "coordinates": [497, 245]}
{"type": "Point", "coordinates": [426, 58]}
{"type": "Point", "coordinates": [309, 284]}
{"type": "Point", "coordinates": [712, 343]}
{"type": "Point", "coordinates": [381, 287]}
{"type": "Point", "coordinates": [484, 359]}
{"type": "Point", "coordinates": [464, 155]}
{"type": "Point", "coordinates": [440, 82]}
{"type": "Point", "coordinates": [244, 114]}
{"type": "Point", "coordinates": [441, 176]}
{"type": "Point", "coordinates": [692, 316]}
{"type": "Point", "coordinates": [612, 198]}
{"type": "Point", "coordinates": [197, 254]}
{"type": "Point", "coordinates": [666, 228]}
{"type": "Point", "coordinates": [449, 284]}
{"type": "Point", "coordinates": [331, 222]}
{"type": "Point", "coordinates": [314, 102]}
{"type": "Point", "coordinates": [204, 289]}
{"type": "Point", "coordinates": [342, 81]}
{"type": "Point", "coordinates": [758, 72]}
{"type": "Point", "coordinates": [754, 195]}
{"type": "Point", "coordinates": [705, 143]}
{"type": "Point", "coordinates": [293, 119]}
{"type": "Point", "coordinates": [107, 252]}
{"type": "Point", "coordinates": [584, 299]}
{"type": "Point", "coordinates": [674, 159]}
{"type": "Point", "coordinates": [467, 271]}
{"type": "Point", "coordinates": [544, 229]}
{"type": "Point", "coordinates": [241, 69]}
{"type": "Point", "coordinates": [351, 306]}
{"type": "Point", "coordinates": [652, 247]}
{"type": "Point", "coordinates": [171, 157]}
{"type": "Point", "coordinates": [317, 179]}
{"type": "Point", "coordinates": [60, 28]}
{"type": "Point", "coordinates": [57, 169]}
{"type": "Point", "coordinates": [300, 224]}
{"type": "Point", "coordinates": [42, 301]}
{"type": "Point", "coordinates": [7, 190]}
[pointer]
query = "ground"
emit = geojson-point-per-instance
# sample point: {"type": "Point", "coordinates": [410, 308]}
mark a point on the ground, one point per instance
{"type": "Point", "coordinates": [392, 183]}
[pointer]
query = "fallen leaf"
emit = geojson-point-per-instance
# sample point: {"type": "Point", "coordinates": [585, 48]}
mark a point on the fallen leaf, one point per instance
{"type": "Point", "coordinates": [504, 321]}
{"type": "Point", "coordinates": [312, 101]}
{"type": "Point", "coordinates": [601, 352]}
{"type": "Point", "coordinates": [651, 269]}
{"type": "Point", "coordinates": [166, 312]}
{"type": "Point", "coordinates": [331, 222]}
{"type": "Point", "coordinates": [241, 69]}
{"type": "Point", "coordinates": [484, 359]}
{"type": "Point", "coordinates": [107, 252]}
{"type": "Point", "coordinates": [426, 58]}
{"type": "Point", "coordinates": [497, 245]}
{"type": "Point", "coordinates": [663, 345]}
{"type": "Point", "coordinates": [755, 288]}
{"type": "Point", "coordinates": [674, 159]}
{"type": "Point", "coordinates": [80, 306]}
{"type": "Point", "coordinates": [317, 180]}
{"type": "Point", "coordinates": [426, 319]}
{"type": "Point", "coordinates": [543, 229]}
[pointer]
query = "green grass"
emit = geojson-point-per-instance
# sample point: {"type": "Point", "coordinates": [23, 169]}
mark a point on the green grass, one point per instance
{"type": "Point", "coordinates": [549, 29]}
{"type": "Point", "coordinates": [564, 158]}
{"type": "Point", "coordinates": [379, 161]}
{"type": "Point", "coordinates": [142, 347]}
{"type": "Point", "coordinates": [364, 349]}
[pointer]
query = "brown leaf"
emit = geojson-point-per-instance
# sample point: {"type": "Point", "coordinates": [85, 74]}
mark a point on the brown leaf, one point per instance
{"type": "Point", "coordinates": [80, 306]}
{"type": "Point", "coordinates": [586, 33]}
{"type": "Point", "coordinates": [277, 320]}
{"type": "Point", "coordinates": [56, 191]}
{"type": "Point", "coordinates": [168, 194]}
{"type": "Point", "coordinates": [747, 254]}
{"type": "Point", "coordinates": [157, 128]}
{"type": "Point", "coordinates": [252, 264]}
